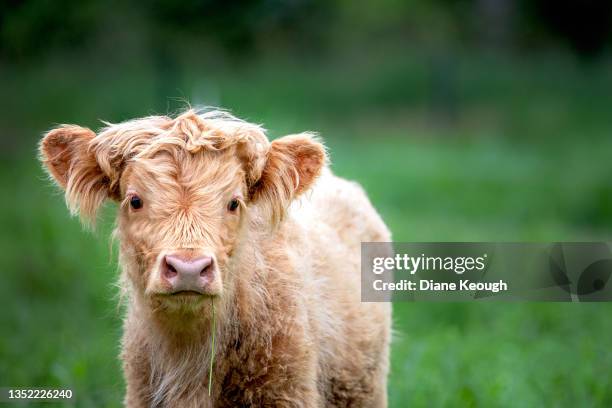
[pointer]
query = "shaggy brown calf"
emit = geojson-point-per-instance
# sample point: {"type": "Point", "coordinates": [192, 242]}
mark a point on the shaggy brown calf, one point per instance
{"type": "Point", "coordinates": [214, 241]}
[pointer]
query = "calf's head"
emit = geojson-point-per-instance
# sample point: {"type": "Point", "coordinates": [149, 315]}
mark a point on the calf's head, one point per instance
{"type": "Point", "coordinates": [186, 188]}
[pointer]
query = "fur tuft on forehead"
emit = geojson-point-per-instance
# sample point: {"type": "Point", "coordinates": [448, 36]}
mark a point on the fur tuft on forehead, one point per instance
{"type": "Point", "coordinates": [192, 131]}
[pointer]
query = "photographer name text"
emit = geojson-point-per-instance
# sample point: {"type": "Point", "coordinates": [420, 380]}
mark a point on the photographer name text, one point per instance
{"type": "Point", "coordinates": [432, 286]}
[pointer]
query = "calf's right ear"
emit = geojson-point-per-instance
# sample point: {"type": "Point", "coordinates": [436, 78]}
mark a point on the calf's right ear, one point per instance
{"type": "Point", "coordinates": [66, 155]}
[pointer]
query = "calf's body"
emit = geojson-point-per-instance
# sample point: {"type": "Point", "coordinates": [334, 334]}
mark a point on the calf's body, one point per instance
{"type": "Point", "coordinates": [283, 298]}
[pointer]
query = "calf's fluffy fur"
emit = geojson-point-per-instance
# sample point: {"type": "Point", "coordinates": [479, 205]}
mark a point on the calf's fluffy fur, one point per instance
{"type": "Point", "coordinates": [290, 327]}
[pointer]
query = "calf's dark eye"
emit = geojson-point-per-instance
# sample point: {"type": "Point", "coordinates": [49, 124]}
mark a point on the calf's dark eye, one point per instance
{"type": "Point", "coordinates": [136, 202]}
{"type": "Point", "coordinates": [233, 205]}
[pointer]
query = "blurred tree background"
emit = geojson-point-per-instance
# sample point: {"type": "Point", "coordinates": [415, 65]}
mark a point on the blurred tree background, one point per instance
{"type": "Point", "coordinates": [463, 119]}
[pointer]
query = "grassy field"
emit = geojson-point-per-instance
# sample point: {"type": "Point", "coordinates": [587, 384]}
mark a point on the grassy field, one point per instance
{"type": "Point", "coordinates": [521, 154]}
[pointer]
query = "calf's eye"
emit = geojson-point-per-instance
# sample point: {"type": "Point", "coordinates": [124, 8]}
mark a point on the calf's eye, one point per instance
{"type": "Point", "coordinates": [136, 202]}
{"type": "Point", "coordinates": [233, 205]}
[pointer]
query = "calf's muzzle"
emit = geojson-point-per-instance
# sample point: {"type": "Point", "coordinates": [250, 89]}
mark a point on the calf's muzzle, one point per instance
{"type": "Point", "coordinates": [188, 274]}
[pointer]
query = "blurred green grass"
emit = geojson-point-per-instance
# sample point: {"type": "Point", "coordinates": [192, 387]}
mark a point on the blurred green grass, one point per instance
{"type": "Point", "coordinates": [516, 152]}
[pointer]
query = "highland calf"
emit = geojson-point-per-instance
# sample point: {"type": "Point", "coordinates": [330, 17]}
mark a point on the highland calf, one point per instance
{"type": "Point", "coordinates": [228, 238]}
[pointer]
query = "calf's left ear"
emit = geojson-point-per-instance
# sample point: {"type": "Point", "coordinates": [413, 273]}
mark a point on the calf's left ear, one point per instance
{"type": "Point", "coordinates": [293, 164]}
{"type": "Point", "coordinates": [65, 153]}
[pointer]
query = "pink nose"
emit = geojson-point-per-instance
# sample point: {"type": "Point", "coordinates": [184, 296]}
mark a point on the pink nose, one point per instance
{"type": "Point", "coordinates": [190, 274]}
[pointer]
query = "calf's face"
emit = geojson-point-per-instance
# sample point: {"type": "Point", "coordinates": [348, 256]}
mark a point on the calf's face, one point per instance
{"type": "Point", "coordinates": [179, 221]}
{"type": "Point", "coordinates": [185, 189]}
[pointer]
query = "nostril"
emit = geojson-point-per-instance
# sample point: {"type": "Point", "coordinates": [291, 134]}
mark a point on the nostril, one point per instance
{"type": "Point", "coordinates": [207, 270]}
{"type": "Point", "coordinates": [170, 271]}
